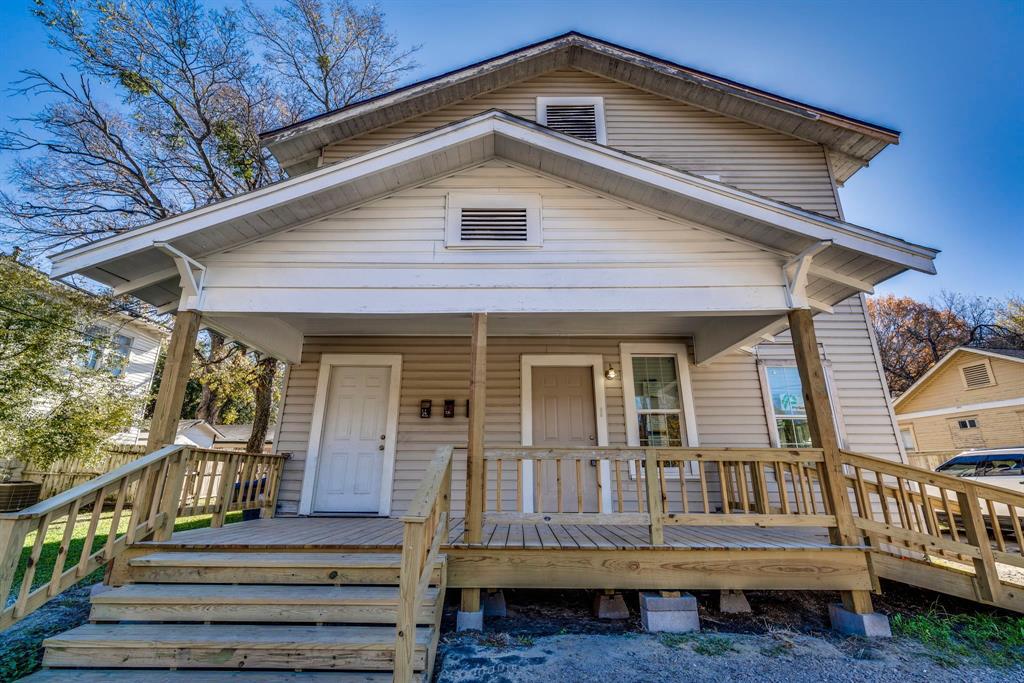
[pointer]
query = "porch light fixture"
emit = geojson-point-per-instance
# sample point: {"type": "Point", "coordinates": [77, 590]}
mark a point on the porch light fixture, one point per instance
{"type": "Point", "coordinates": [610, 373]}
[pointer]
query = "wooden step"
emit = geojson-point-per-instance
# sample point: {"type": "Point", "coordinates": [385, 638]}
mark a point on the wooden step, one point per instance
{"type": "Point", "coordinates": [231, 646]}
{"type": "Point", "coordinates": [254, 603]}
{"type": "Point", "coordinates": [194, 676]}
{"type": "Point", "coordinates": [291, 568]}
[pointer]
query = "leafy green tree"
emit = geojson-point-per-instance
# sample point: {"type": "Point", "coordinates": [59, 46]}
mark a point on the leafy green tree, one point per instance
{"type": "Point", "coordinates": [54, 405]}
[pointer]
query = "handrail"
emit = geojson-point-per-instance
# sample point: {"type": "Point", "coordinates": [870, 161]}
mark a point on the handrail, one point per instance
{"type": "Point", "coordinates": [425, 529]}
{"type": "Point", "coordinates": [154, 490]}
{"type": "Point", "coordinates": [905, 510]}
{"type": "Point", "coordinates": [656, 486]}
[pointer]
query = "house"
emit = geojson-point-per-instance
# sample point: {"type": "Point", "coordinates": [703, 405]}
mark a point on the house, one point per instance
{"type": "Point", "coordinates": [192, 432]}
{"type": "Point", "coordinates": [235, 437]}
{"type": "Point", "coordinates": [971, 398]}
{"type": "Point", "coordinates": [570, 317]}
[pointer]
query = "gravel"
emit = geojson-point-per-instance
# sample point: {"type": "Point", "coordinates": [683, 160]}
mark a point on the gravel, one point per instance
{"type": "Point", "coordinates": [635, 657]}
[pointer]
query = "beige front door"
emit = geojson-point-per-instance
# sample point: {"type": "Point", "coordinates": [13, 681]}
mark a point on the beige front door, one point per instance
{"type": "Point", "coordinates": [564, 415]}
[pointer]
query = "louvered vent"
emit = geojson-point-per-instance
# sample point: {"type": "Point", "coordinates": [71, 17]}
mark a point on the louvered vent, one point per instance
{"type": "Point", "coordinates": [493, 224]}
{"type": "Point", "coordinates": [976, 375]}
{"type": "Point", "coordinates": [579, 120]}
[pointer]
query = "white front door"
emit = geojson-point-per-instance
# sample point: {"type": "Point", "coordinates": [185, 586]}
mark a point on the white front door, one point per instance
{"type": "Point", "coordinates": [354, 444]}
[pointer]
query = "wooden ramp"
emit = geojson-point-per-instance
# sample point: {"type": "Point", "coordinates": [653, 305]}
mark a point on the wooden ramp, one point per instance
{"type": "Point", "coordinates": [227, 616]}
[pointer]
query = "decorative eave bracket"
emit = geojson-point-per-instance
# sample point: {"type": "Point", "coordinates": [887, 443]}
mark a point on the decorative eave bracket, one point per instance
{"type": "Point", "coordinates": [193, 276]}
{"type": "Point", "coordinates": [796, 270]}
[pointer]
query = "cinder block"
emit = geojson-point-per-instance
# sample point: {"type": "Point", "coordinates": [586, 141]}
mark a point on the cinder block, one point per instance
{"type": "Point", "coordinates": [494, 604]}
{"type": "Point", "coordinates": [610, 606]}
{"type": "Point", "coordinates": [661, 614]}
{"type": "Point", "coordinates": [733, 602]}
{"type": "Point", "coordinates": [469, 621]}
{"type": "Point", "coordinates": [870, 625]}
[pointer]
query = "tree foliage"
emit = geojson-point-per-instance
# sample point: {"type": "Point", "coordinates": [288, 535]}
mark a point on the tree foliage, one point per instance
{"type": "Point", "coordinates": [53, 405]}
{"type": "Point", "coordinates": [914, 335]}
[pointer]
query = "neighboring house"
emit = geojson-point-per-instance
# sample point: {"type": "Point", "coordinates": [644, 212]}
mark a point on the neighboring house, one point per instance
{"type": "Point", "coordinates": [569, 262]}
{"type": "Point", "coordinates": [971, 398]}
{"type": "Point", "coordinates": [235, 437]}
{"type": "Point", "coordinates": [189, 433]}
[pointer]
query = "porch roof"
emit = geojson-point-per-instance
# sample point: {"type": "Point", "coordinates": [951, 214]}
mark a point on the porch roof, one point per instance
{"type": "Point", "coordinates": [849, 258]}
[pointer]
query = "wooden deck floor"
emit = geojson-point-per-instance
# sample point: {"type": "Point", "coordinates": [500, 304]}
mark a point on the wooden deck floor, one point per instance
{"type": "Point", "coordinates": [376, 533]}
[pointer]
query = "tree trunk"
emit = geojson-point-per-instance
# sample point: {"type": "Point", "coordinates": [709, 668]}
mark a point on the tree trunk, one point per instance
{"type": "Point", "coordinates": [263, 397]}
{"type": "Point", "coordinates": [209, 408]}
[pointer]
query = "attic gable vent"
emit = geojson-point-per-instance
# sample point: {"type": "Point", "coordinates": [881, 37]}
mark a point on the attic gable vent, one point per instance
{"type": "Point", "coordinates": [581, 117]}
{"type": "Point", "coordinates": [492, 221]}
{"type": "Point", "coordinates": [494, 224]}
{"type": "Point", "coordinates": [977, 375]}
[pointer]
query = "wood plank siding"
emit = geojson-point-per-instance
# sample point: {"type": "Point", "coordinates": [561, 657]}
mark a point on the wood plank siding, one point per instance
{"type": "Point", "coordinates": [727, 397]}
{"type": "Point", "coordinates": [659, 129]}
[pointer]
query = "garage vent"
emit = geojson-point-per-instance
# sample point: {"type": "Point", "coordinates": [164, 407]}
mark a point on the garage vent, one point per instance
{"type": "Point", "coordinates": [493, 225]}
{"type": "Point", "coordinates": [976, 375]}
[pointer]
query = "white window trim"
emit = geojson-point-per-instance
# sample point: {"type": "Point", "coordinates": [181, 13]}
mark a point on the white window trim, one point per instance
{"type": "Point", "coordinates": [598, 102]}
{"type": "Point", "coordinates": [327, 362]}
{"type": "Point", "coordinates": [456, 201]}
{"type": "Point", "coordinates": [528, 361]}
{"type": "Point", "coordinates": [769, 409]}
{"type": "Point", "coordinates": [689, 415]}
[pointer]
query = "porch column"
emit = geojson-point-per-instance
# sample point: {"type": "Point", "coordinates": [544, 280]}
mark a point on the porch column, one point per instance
{"type": "Point", "coordinates": [177, 366]}
{"type": "Point", "coordinates": [470, 614]}
{"type": "Point", "coordinates": [824, 436]}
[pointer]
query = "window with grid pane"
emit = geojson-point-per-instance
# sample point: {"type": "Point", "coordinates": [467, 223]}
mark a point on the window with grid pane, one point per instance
{"type": "Point", "coordinates": [658, 408]}
{"type": "Point", "coordinates": [787, 402]}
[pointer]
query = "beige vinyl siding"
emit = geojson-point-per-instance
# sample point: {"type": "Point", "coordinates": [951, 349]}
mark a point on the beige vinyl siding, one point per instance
{"type": "Point", "coordinates": [945, 389]}
{"type": "Point", "coordinates": [673, 133]}
{"type": "Point", "coordinates": [997, 428]}
{"type": "Point", "coordinates": [727, 397]}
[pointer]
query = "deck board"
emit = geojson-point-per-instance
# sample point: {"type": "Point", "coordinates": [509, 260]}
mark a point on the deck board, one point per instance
{"type": "Point", "coordinates": [382, 533]}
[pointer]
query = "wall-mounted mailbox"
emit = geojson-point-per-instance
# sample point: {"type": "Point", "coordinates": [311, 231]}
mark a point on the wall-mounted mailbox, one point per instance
{"type": "Point", "coordinates": [449, 407]}
{"type": "Point", "coordinates": [425, 408]}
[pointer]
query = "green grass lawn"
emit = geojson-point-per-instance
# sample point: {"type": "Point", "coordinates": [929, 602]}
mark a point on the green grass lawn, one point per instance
{"type": "Point", "coordinates": [55, 534]}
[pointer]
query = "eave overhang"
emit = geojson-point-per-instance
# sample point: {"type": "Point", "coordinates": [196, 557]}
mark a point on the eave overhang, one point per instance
{"type": "Point", "coordinates": [852, 143]}
{"type": "Point", "coordinates": [855, 258]}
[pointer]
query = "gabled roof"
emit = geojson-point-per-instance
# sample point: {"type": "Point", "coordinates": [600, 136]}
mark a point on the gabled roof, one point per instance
{"type": "Point", "coordinates": [852, 143]}
{"type": "Point", "coordinates": [1016, 355]}
{"type": "Point", "coordinates": [856, 257]}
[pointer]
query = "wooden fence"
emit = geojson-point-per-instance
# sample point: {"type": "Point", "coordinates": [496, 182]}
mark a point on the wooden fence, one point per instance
{"type": "Point", "coordinates": [64, 474]}
{"type": "Point", "coordinates": [171, 482]}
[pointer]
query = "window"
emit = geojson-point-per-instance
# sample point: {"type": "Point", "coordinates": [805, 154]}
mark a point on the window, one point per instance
{"type": "Point", "coordinates": [977, 375]}
{"type": "Point", "coordinates": [907, 435]}
{"type": "Point", "coordinates": [492, 221]}
{"type": "Point", "coordinates": [658, 399]}
{"type": "Point", "coordinates": [967, 423]}
{"type": "Point", "coordinates": [581, 117]}
{"type": "Point", "coordinates": [106, 351]}
{"type": "Point", "coordinates": [784, 405]}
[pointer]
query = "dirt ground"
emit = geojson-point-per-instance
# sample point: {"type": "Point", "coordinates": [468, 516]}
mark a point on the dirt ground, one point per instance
{"type": "Point", "coordinates": [550, 636]}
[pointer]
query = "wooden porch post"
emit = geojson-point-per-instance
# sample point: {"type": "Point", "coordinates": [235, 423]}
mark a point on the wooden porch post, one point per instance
{"type": "Point", "coordinates": [475, 470]}
{"type": "Point", "coordinates": [824, 436]}
{"type": "Point", "coordinates": [177, 365]}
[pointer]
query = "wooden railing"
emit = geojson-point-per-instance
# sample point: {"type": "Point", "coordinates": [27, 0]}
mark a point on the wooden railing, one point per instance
{"type": "Point", "coordinates": [914, 512]}
{"type": "Point", "coordinates": [656, 487]}
{"type": "Point", "coordinates": [152, 491]}
{"type": "Point", "coordinates": [425, 529]}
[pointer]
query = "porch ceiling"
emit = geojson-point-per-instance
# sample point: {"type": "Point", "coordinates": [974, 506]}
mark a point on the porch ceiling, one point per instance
{"type": "Point", "coordinates": [857, 259]}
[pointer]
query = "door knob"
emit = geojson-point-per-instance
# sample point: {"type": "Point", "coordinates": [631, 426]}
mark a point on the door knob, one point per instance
{"type": "Point", "coordinates": [380, 447]}
{"type": "Point", "coordinates": [383, 436]}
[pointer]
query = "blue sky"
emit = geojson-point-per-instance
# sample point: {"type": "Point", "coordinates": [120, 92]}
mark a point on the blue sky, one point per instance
{"type": "Point", "coordinates": [950, 76]}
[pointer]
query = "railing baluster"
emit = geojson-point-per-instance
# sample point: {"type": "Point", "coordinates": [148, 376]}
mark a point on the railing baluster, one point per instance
{"type": "Point", "coordinates": [65, 547]}
{"type": "Point", "coordinates": [703, 487]}
{"type": "Point", "coordinates": [558, 484]}
{"type": "Point", "coordinates": [498, 493]}
{"type": "Point", "coordinates": [997, 530]}
{"type": "Point", "coordinates": [579, 485]}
